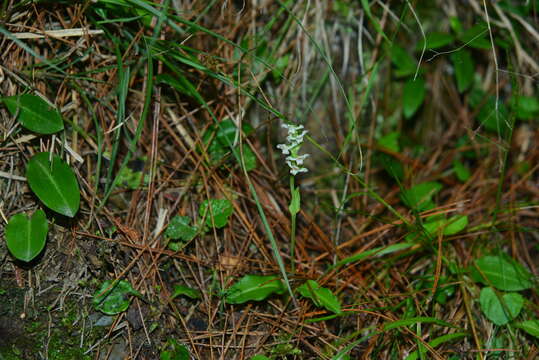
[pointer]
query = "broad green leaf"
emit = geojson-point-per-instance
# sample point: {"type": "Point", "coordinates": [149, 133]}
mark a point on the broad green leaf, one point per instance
{"type": "Point", "coordinates": [175, 351]}
{"type": "Point", "coordinates": [25, 236]}
{"type": "Point", "coordinates": [413, 97]}
{"type": "Point", "coordinates": [179, 229]}
{"type": "Point", "coordinates": [254, 288]}
{"type": "Point", "coordinates": [455, 224]}
{"type": "Point", "coordinates": [419, 197]}
{"type": "Point", "coordinates": [530, 326]}
{"type": "Point", "coordinates": [217, 212]}
{"type": "Point", "coordinates": [54, 183]}
{"type": "Point", "coordinates": [320, 296]}
{"type": "Point", "coordinates": [476, 37]}
{"type": "Point", "coordinates": [113, 297]}
{"type": "Point", "coordinates": [526, 107]}
{"type": "Point", "coordinates": [34, 113]}
{"type": "Point", "coordinates": [435, 342]}
{"type": "Point", "coordinates": [496, 311]}
{"type": "Point", "coordinates": [436, 40]}
{"type": "Point", "coordinates": [503, 273]}
{"type": "Point", "coordinates": [405, 64]}
{"type": "Point", "coordinates": [462, 172]}
{"type": "Point", "coordinates": [464, 69]}
{"type": "Point", "coordinates": [184, 290]}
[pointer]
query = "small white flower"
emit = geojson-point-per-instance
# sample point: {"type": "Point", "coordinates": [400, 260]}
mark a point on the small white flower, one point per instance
{"type": "Point", "coordinates": [294, 141]}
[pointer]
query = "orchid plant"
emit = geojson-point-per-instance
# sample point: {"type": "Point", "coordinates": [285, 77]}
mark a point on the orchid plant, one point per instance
{"type": "Point", "coordinates": [294, 161]}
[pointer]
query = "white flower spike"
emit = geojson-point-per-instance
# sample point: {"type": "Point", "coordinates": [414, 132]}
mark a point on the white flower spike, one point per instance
{"type": "Point", "coordinates": [291, 148]}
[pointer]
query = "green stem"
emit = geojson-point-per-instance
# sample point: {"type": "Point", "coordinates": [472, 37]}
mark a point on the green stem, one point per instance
{"type": "Point", "coordinates": [292, 229]}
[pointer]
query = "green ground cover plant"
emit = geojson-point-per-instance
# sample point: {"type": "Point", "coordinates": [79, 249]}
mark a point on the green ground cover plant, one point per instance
{"type": "Point", "coordinates": [270, 179]}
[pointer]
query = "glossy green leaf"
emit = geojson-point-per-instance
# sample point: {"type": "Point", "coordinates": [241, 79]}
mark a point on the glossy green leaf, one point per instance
{"type": "Point", "coordinates": [503, 273]}
{"type": "Point", "coordinates": [180, 290]}
{"type": "Point", "coordinates": [175, 351]}
{"type": "Point", "coordinates": [436, 40]}
{"type": "Point", "coordinates": [461, 171]}
{"type": "Point", "coordinates": [500, 312]}
{"type": "Point", "coordinates": [34, 113]}
{"type": "Point", "coordinates": [405, 64]}
{"type": "Point", "coordinates": [413, 96]}
{"type": "Point", "coordinates": [254, 288]}
{"type": "Point", "coordinates": [179, 229]}
{"type": "Point", "coordinates": [419, 197]}
{"type": "Point", "coordinates": [464, 69]}
{"type": "Point", "coordinates": [530, 326]}
{"type": "Point", "coordinates": [320, 296]}
{"type": "Point", "coordinates": [217, 213]}
{"type": "Point", "coordinates": [26, 236]}
{"type": "Point", "coordinates": [54, 183]}
{"type": "Point", "coordinates": [113, 297]}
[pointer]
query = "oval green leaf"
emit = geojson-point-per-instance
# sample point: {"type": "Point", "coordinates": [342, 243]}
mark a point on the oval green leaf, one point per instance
{"type": "Point", "coordinates": [496, 311]}
{"type": "Point", "coordinates": [502, 273]}
{"type": "Point", "coordinates": [25, 236]}
{"type": "Point", "coordinates": [414, 94]}
{"type": "Point", "coordinates": [419, 197]}
{"type": "Point", "coordinates": [320, 296]}
{"type": "Point", "coordinates": [217, 212]}
{"type": "Point", "coordinates": [54, 183]}
{"type": "Point", "coordinates": [464, 69]}
{"type": "Point", "coordinates": [254, 287]}
{"type": "Point", "coordinates": [34, 113]}
{"type": "Point", "coordinates": [113, 297]}
{"type": "Point", "coordinates": [180, 290]}
{"type": "Point", "coordinates": [179, 229]}
{"type": "Point", "coordinates": [530, 326]}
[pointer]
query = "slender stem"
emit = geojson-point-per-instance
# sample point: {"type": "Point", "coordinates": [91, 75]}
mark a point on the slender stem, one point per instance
{"type": "Point", "coordinates": [292, 230]}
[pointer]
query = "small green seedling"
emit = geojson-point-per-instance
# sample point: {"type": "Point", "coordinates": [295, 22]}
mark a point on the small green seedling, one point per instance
{"type": "Point", "coordinates": [113, 297]}
{"type": "Point", "coordinates": [175, 351]}
{"type": "Point", "coordinates": [26, 236]}
{"type": "Point", "coordinates": [216, 212]}
{"type": "Point", "coordinates": [180, 290]}
{"type": "Point", "coordinates": [320, 296]}
{"type": "Point", "coordinates": [179, 229]}
{"type": "Point", "coordinates": [254, 288]}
